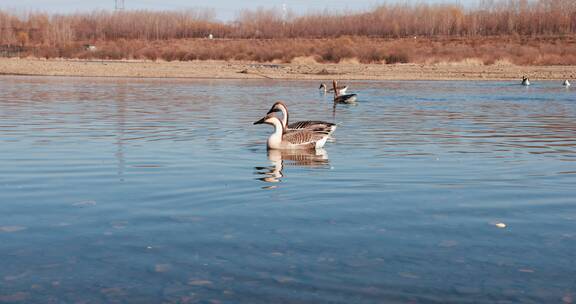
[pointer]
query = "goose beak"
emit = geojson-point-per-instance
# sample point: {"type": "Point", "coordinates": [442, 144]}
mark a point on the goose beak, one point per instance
{"type": "Point", "coordinates": [261, 121]}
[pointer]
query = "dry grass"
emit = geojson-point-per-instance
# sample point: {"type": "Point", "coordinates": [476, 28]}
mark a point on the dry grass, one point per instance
{"type": "Point", "coordinates": [520, 32]}
{"type": "Point", "coordinates": [348, 50]}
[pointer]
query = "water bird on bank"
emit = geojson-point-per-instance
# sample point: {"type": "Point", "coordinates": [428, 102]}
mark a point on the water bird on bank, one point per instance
{"type": "Point", "coordinates": [341, 90]}
{"type": "Point", "coordinates": [566, 83]}
{"type": "Point", "coordinates": [347, 98]}
{"type": "Point", "coordinates": [299, 139]}
{"type": "Point", "coordinates": [525, 81]}
{"type": "Point", "coordinates": [313, 125]}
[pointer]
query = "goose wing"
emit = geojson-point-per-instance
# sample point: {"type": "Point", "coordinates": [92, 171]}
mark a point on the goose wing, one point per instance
{"type": "Point", "coordinates": [311, 124]}
{"type": "Point", "coordinates": [304, 137]}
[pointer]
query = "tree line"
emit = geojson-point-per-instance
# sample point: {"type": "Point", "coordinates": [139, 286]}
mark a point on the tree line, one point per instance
{"type": "Point", "coordinates": [489, 18]}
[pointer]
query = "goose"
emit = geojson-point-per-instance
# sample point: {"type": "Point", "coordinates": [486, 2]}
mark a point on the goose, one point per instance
{"type": "Point", "coordinates": [301, 139]}
{"type": "Point", "coordinates": [347, 98]}
{"type": "Point", "coordinates": [566, 83]}
{"type": "Point", "coordinates": [341, 90]}
{"type": "Point", "coordinates": [315, 125]}
{"type": "Point", "coordinates": [525, 81]}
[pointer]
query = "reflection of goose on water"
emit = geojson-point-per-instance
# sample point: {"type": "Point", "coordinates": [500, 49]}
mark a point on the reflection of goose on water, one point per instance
{"type": "Point", "coordinates": [525, 81]}
{"type": "Point", "coordinates": [315, 125]}
{"type": "Point", "coordinates": [341, 90]}
{"type": "Point", "coordinates": [317, 158]}
{"type": "Point", "coordinates": [348, 98]}
{"type": "Point", "coordinates": [566, 83]}
{"type": "Point", "coordinates": [298, 139]}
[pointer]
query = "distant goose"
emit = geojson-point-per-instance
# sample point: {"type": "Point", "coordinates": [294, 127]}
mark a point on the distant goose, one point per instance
{"type": "Point", "coordinates": [566, 83]}
{"type": "Point", "coordinates": [525, 81]}
{"type": "Point", "coordinates": [348, 98]}
{"type": "Point", "coordinates": [314, 125]}
{"type": "Point", "coordinates": [341, 90]}
{"type": "Point", "coordinates": [301, 139]}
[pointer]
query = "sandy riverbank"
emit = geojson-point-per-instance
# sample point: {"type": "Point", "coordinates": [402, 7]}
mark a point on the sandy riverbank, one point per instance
{"type": "Point", "coordinates": [306, 70]}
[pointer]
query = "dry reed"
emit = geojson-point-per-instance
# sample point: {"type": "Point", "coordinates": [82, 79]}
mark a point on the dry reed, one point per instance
{"type": "Point", "coordinates": [515, 31]}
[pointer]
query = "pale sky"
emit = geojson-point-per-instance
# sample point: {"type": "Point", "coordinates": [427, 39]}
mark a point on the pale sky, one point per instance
{"type": "Point", "coordinates": [225, 9]}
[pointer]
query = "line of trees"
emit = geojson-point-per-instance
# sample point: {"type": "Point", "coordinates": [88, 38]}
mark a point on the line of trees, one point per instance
{"type": "Point", "coordinates": [491, 17]}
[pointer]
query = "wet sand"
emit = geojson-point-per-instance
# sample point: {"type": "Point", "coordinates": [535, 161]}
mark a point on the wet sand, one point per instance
{"type": "Point", "coordinates": [243, 70]}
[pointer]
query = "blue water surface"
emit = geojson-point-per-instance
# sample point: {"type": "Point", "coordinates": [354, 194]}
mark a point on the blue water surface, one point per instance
{"type": "Point", "coordinates": [162, 191]}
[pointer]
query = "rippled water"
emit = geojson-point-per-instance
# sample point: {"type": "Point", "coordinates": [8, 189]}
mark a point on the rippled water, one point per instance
{"type": "Point", "coordinates": [126, 190]}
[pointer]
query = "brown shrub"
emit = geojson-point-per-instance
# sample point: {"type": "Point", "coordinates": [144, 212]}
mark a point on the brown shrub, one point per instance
{"type": "Point", "coordinates": [520, 51]}
{"type": "Point", "coordinates": [396, 58]}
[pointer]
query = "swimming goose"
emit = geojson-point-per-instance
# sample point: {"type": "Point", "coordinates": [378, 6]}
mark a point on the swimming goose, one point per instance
{"type": "Point", "coordinates": [525, 81]}
{"type": "Point", "coordinates": [314, 125]}
{"type": "Point", "coordinates": [348, 98]}
{"type": "Point", "coordinates": [301, 139]}
{"type": "Point", "coordinates": [341, 90]}
{"type": "Point", "coordinates": [566, 83]}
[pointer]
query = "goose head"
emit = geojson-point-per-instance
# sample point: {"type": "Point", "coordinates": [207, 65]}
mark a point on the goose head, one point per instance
{"type": "Point", "coordinates": [278, 106]}
{"type": "Point", "coordinates": [269, 119]}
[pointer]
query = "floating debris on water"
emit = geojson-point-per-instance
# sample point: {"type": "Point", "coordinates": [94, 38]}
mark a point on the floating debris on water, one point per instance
{"type": "Point", "coordinates": [526, 270]}
{"type": "Point", "coordinates": [83, 204]}
{"type": "Point", "coordinates": [500, 225]}
{"type": "Point", "coordinates": [284, 280]}
{"type": "Point", "coordinates": [9, 229]}
{"type": "Point", "coordinates": [199, 282]}
{"type": "Point", "coordinates": [162, 268]}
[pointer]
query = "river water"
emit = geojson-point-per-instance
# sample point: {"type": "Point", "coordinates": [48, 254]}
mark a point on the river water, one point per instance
{"type": "Point", "coordinates": [130, 190]}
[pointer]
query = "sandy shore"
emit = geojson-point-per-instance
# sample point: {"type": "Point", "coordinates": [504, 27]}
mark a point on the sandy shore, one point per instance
{"type": "Point", "coordinates": [240, 70]}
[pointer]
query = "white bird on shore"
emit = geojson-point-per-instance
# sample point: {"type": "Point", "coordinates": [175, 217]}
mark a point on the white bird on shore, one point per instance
{"type": "Point", "coordinates": [300, 139]}
{"type": "Point", "coordinates": [525, 81]}
{"type": "Point", "coordinates": [566, 83]}
{"type": "Point", "coordinates": [314, 125]}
